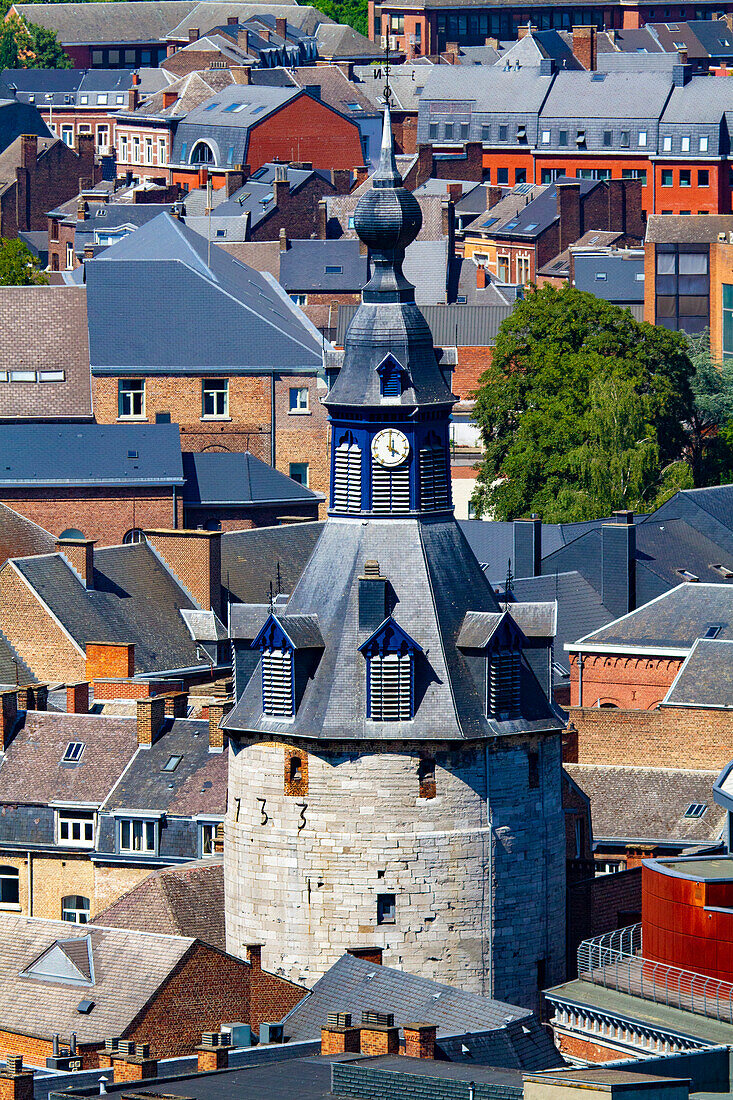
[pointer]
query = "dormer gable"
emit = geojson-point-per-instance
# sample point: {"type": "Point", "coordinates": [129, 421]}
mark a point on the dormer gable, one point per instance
{"type": "Point", "coordinates": [393, 377]}
{"type": "Point", "coordinates": [499, 641]}
{"type": "Point", "coordinates": [290, 645]}
{"type": "Point", "coordinates": [69, 962]}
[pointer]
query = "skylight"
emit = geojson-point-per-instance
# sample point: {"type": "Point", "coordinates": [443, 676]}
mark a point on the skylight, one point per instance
{"type": "Point", "coordinates": [724, 571]}
{"type": "Point", "coordinates": [172, 763]}
{"type": "Point", "coordinates": [72, 752]}
{"type": "Point", "coordinates": [211, 107]}
{"type": "Point", "coordinates": [687, 575]}
{"type": "Point", "coordinates": [334, 269]}
{"type": "Point", "coordinates": [530, 227]}
{"type": "Point", "coordinates": [712, 630]}
{"type": "Point", "coordinates": [696, 809]}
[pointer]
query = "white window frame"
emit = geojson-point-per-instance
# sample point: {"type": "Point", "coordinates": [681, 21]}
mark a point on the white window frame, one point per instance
{"type": "Point", "coordinates": [306, 465]}
{"type": "Point", "coordinates": [123, 147]}
{"type": "Point", "coordinates": [642, 138]}
{"type": "Point", "coordinates": [207, 838]}
{"type": "Point", "coordinates": [546, 137]}
{"type": "Point", "coordinates": [14, 877]}
{"type": "Point", "coordinates": [129, 394]}
{"type": "Point", "coordinates": [162, 153]}
{"type": "Point", "coordinates": [302, 400]}
{"type": "Point", "coordinates": [74, 911]}
{"type": "Point", "coordinates": [685, 143]}
{"type": "Point", "coordinates": [67, 134]}
{"type": "Point", "coordinates": [704, 143]}
{"type": "Point", "coordinates": [148, 150]}
{"type": "Point", "coordinates": [299, 299]}
{"type": "Point", "coordinates": [69, 255]}
{"type": "Point", "coordinates": [127, 827]}
{"type": "Point", "coordinates": [218, 392]}
{"type": "Point", "coordinates": [69, 822]}
{"type": "Point", "coordinates": [667, 144]}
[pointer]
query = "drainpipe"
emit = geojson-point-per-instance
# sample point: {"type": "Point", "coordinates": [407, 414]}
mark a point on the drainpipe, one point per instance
{"type": "Point", "coordinates": [272, 420]}
{"type": "Point", "coordinates": [489, 822]}
{"type": "Point", "coordinates": [30, 884]}
{"type": "Point", "coordinates": [580, 679]}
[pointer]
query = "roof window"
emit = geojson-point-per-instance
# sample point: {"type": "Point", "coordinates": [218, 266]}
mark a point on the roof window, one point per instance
{"type": "Point", "coordinates": [686, 575]}
{"type": "Point", "coordinates": [211, 106]}
{"type": "Point", "coordinates": [334, 269]}
{"type": "Point", "coordinates": [712, 630]}
{"type": "Point", "coordinates": [171, 763]}
{"type": "Point", "coordinates": [723, 570]}
{"type": "Point", "coordinates": [696, 810]}
{"type": "Point", "coordinates": [73, 752]}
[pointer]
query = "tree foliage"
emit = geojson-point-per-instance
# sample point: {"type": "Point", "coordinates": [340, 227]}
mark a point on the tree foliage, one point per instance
{"type": "Point", "coordinates": [581, 411]}
{"type": "Point", "coordinates": [18, 265]}
{"type": "Point", "coordinates": [352, 12]}
{"type": "Point", "coordinates": [710, 426]}
{"type": "Point", "coordinates": [28, 46]}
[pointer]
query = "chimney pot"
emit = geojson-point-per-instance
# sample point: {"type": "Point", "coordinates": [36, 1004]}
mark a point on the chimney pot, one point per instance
{"type": "Point", "coordinates": [284, 239]}
{"type": "Point", "coordinates": [527, 547]}
{"type": "Point", "coordinates": [150, 720]}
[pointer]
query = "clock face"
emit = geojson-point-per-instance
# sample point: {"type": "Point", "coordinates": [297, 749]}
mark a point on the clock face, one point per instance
{"type": "Point", "coordinates": [390, 447]}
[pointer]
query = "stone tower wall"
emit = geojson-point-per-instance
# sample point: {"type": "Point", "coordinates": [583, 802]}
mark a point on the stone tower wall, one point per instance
{"type": "Point", "coordinates": [303, 870]}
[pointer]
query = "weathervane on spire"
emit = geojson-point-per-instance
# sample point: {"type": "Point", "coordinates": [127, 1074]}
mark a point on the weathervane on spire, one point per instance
{"type": "Point", "coordinates": [387, 97]}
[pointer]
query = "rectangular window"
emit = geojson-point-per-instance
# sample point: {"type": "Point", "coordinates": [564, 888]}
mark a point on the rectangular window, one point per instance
{"type": "Point", "coordinates": [502, 175]}
{"type": "Point", "coordinates": [463, 132]}
{"type": "Point", "coordinates": [522, 270]}
{"type": "Point", "coordinates": [634, 174]}
{"type": "Point", "coordinates": [67, 135]}
{"type": "Point", "coordinates": [386, 909]}
{"type": "Point", "coordinates": [161, 151]}
{"type": "Point", "coordinates": [520, 175]}
{"type": "Point", "coordinates": [137, 836]}
{"type": "Point", "coordinates": [704, 144]}
{"type": "Point", "coordinates": [51, 376]}
{"type": "Point", "coordinates": [215, 398]}
{"type": "Point", "coordinates": [546, 137]}
{"type": "Point", "coordinates": [502, 268]}
{"type": "Point", "coordinates": [608, 138]}
{"type": "Point", "coordinates": [9, 882]}
{"type": "Point", "coordinates": [685, 177]}
{"type": "Point", "coordinates": [642, 138]}
{"type": "Point", "coordinates": [703, 177]}
{"type": "Point", "coordinates": [148, 150]}
{"type": "Point", "coordinates": [503, 131]}
{"type": "Point", "coordinates": [207, 838]}
{"type": "Point", "coordinates": [433, 131]}
{"type": "Point", "coordinates": [667, 177]}
{"type": "Point", "coordinates": [299, 299]}
{"type": "Point", "coordinates": [69, 255]}
{"type": "Point", "coordinates": [486, 133]}
{"type": "Point", "coordinates": [131, 397]}
{"type": "Point", "coordinates": [685, 143]}
{"type": "Point", "coordinates": [667, 145]}
{"type": "Point", "coordinates": [22, 376]}
{"type": "Point", "coordinates": [624, 139]}
{"type": "Point", "coordinates": [102, 97]}
{"type": "Point", "coordinates": [299, 472]}
{"type": "Point", "coordinates": [135, 149]}
{"type": "Point", "coordinates": [129, 57]}
{"type": "Point", "coordinates": [75, 829]}
{"type": "Point", "coordinates": [298, 399]}
{"type": "Point", "coordinates": [727, 320]}
{"type": "Point", "coordinates": [123, 147]}
{"type": "Point", "coordinates": [562, 137]}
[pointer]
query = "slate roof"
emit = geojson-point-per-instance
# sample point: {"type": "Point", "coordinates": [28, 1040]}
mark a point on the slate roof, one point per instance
{"type": "Point", "coordinates": [487, 88]}
{"type": "Point", "coordinates": [134, 599]}
{"type": "Point", "coordinates": [649, 804]}
{"type": "Point", "coordinates": [218, 478]}
{"type": "Point", "coordinates": [21, 537]}
{"type": "Point", "coordinates": [156, 304]}
{"type": "Point", "coordinates": [90, 454]}
{"type": "Point", "coordinates": [244, 553]}
{"type": "Point", "coordinates": [355, 985]}
{"type": "Point", "coordinates": [470, 325]}
{"type": "Point", "coordinates": [531, 49]}
{"type": "Point", "coordinates": [32, 771]}
{"type": "Point", "coordinates": [128, 21]}
{"type": "Point", "coordinates": [207, 14]}
{"type": "Point", "coordinates": [228, 128]}
{"type": "Point", "coordinates": [706, 676]}
{"type": "Point", "coordinates": [619, 95]}
{"type": "Point", "coordinates": [191, 90]}
{"type": "Point", "coordinates": [129, 967]}
{"type": "Point", "coordinates": [303, 266]}
{"type": "Point", "coordinates": [620, 268]}
{"type": "Point", "coordinates": [180, 901]}
{"type": "Point", "coordinates": [336, 89]}
{"type": "Point", "coordinates": [687, 228]}
{"type": "Point", "coordinates": [673, 621]}
{"type": "Point", "coordinates": [105, 217]}
{"type": "Point", "coordinates": [337, 42]}
{"type": "Point", "coordinates": [537, 215]}
{"type": "Point", "coordinates": [16, 119]}
{"type": "Point", "coordinates": [424, 557]}
{"type": "Point", "coordinates": [406, 82]}
{"type": "Point", "coordinates": [197, 786]}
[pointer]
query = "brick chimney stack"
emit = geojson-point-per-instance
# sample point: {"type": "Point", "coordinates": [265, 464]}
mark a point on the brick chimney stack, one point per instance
{"type": "Point", "coordinates": [419, 1040]}
{"type": "Point", "coordinates": [176, 704]}
{"type": "Point", "coordinates": [133, 98]}
{"type": "Point", "coordinates": [585, 47]}
{"type": "Point", "coordinates": [213, 1053]}
{"type": "Point", "coordinates": [80, 555]}
{"type": "Point", "coordinates": [133, 1063]}
{"type": "Point", "coordinates": [8, 715]}
{"type": "Point", "coordinates": [193, 34]}
{"type": "Point", "coordinates": [570, 214]}
{"type": "Point", "coordinates": [218, 710]}
{"type": "Point", "coordinates": [283, 239]}
{"type": "Point", "coordinates": [194, 557]}
{"type": "Point", "coordinates": [243, 39]}
{"type": "Point", "coordinates": [281, 27]}
{"type": "Point", "coordinates": [254, 956]}
{"type": "Point", "coordinates": [482, 280]}
{"type": "Point", "coordinates": [169, 98]}
{"type": "Point", "coordinates": [339, 1036]}
{"type": "Point", "coordinates": [150, 720]}
{"type": "Point", "coordinates": [16, 1083]}
{"type": "Point", "coordinates": [77, 697]}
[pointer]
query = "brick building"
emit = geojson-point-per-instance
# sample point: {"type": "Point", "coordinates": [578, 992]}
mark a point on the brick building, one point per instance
{"type": "Point", "coordinates": [157, 992]}
{"type": "Point", "coordinates": [39, 173]}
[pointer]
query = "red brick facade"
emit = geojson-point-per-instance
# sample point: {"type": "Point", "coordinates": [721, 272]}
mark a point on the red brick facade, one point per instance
{"type": "Point", "coordinates": [43, 180]}
{"type": "Point", "coordinates": [677, 737]}
{"type": "Point", "coordinates": [638, 683]}
{"type": "Point", "coordinates": [103, 514]}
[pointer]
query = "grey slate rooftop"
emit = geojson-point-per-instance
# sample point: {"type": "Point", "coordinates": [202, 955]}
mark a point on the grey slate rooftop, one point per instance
{"type": "Point", "coordinates": [128, 21]}
{"type": "Point", "coordinates": [156, 302]}
{"type": "Point", "coordinates": [90, 454]}
{"type": "Point", "coordinates": [217, 478]}
{"type": "Point", "coordinates": [706, 676]}
{"type": "Point", "coordinates": [286, 550]}
{"type": "Point", "coordinates": [355, 985]}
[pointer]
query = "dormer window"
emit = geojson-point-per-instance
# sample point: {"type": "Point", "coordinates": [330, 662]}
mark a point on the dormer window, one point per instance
{"type": "Point", "coordinates": [496, 635]}
{"type": "Point", "coordinates": [277, 682]}
{"type": "Point", "coordinates": [392, 377]}
{"type": "Point", "coordinates": [284, 668]}
{"type": "Point", "coordinates": [390, 656]}
{"type": "Point", "coordinates": [580, 137]}
{"type": "Point", "coordinates": [503, 683]}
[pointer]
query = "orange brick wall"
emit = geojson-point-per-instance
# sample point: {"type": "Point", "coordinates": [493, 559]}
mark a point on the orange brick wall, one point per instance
{"type": "Point", "coordinates": [677, 737]}
{"type": "Point", "coordinates": [472, 362]}
{"type": "Point", "coordinates": [37, 638]}
{"type": "Point", "coordinates": [194, 557]}
{"type": "Point", "coordinates": [301, 126]}
{"type": "Point", "coordinates": [104, 514]}
{"type": "Point", "coordinates": [586, 1050]}
{"type": "Point", "coordinates": [721, 271]}
{"type": "Point", "coordinates": [107, 660]}
{"type": "Point", "coordinates": [380, 1041]}
{"type": "Point", "coordinates": [630, 682]}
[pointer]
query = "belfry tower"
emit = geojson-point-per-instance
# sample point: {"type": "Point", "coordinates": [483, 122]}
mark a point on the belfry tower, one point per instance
{"type": "Point", "coordinates": [395, 767]}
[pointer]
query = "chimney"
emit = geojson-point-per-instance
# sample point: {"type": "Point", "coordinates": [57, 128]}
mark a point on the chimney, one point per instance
{"type": "Point", "coordinates": [16, 1083]}
{"type": "Point", "coordinates": [281, 26]}
{"type": "Point", "coordinates": [169, 98]}
{"type": "Point", "coordinates": [682, 55]}
{"type": "Point", "coordinates": [88, 251]}
{"type": "Point", "coordinates": [176, 704]}
{"type": "Point", "coordinates": [136, 1066]}
{"type": "Point", "coordinates": [282, 186]}
{"type": "Point", "coordinates": [150, 720]}
{"type": "Point", "coordinates": [241, 74]}
{"type": "Point", "coordinates": [339, 1036]}
{"type": "Point", "coordinates": [361, 174]}
{"type": "Point", "coordinates": [234, 180]}
{"type": "Point", "coordinates": [378, 1033]}
{"type": "Point", "coordinates": [243, 39]}
{"type": "Point", "coordinates": [493, 195]}
{"type": "Point", "coordinates": [232, 20]}
{"type": "Point", "coordinates": [213, 1053]}
{"type": "Point", "coordinates": [193, 34]}
{"type": "Point", "coordinates": [79, 553]}
{"type": "Point", "coordinates": [8, 715]}
{"type": "Point", "coordinates": [133, 98]}
{"type": "Point", "coordinates": [681, 75]}
{"type": "Point", "coordinates": [372, 597]}
{"type": "Point", "coordinates": [448, 223]}
{"type": "Point", "coordinates": [585, 47]}
{"type": "Point", "coordinates": [419, 1040]}
{"type": "Point", "coordinates": [218, 710]}
{"type": "Point", "coordinates": [728, 17]}
{"type": "Point", "coordinates": [569, 212]}
{"type": "Point", "coordinates": [618, 564]}
{"type": "Point", "coordinates": [322, 217]}
{"type": "Point", "coordinates": [527, 547]}
{"type": "Point", "coordinates": [77, 697]}
{"type": "Point", "coordinates": [194, 557]}
{"type": "Point", "coordinates": [283, 239]}
{"type": "Point", "coordinates": [254, 956]}
{"type": "Point", "coordinates": [28, 151]}
{"type": "Point", "coordinates": [547, 66]}
{"type": "Point", "coordinates": [341, 179]}
{"type": "Point", "coordinates": [110, 660]}
{"type": "Point", "coordinates": [482, 279]}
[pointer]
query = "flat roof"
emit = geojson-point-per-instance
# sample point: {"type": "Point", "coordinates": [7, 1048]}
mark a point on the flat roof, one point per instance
{"type": "Point", "coordinates": [702, 870]}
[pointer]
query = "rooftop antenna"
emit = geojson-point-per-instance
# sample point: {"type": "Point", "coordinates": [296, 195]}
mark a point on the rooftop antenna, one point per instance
{"type": "Point", "coordinates": [279, 580]}
{"type": "Point", "coordinates": [508, 580]}
{"type": "Point", "coordinates": [387, 90]}
{"type": "Point", "coordinates": [272, 600]}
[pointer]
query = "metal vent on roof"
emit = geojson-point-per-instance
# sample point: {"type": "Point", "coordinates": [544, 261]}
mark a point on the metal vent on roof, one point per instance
{"type": "Point", "coordinates": [85, 1007]}
{"type": "Point", "coordinates": [696, 809]}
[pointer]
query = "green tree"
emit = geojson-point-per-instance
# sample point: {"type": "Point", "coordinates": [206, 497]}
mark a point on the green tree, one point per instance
{"type": "Point", "coordinates": [710, 426]}
{"type": "Point", "coordinates": [544, 407]}
{"type": "Point", "coordinates": [8, 47]}
{"type": "Point", "coordinates": [352, 12]}
{"type": "Point", "coordinates": [18, 265]}
{"type": "Point", "coordinates": [46, 50]}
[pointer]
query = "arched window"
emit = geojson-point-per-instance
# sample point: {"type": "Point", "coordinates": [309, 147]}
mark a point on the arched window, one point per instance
{"type": "Point", "coordinates": [277, 682]}
{"type": "Point", "coordinates": [135, 534]}
{"type": "Point", "coordinates": [433, 467]}
{"type": "Point", "coordinates": [347, 475]}
{"type": "Point", "coordinates": [72, 533]}
{"type": "Point", "coordinates": [202, 153]}
{"type": "Point", "coordinates": [9, 886]}
{"type": "Point", "coordinates": [75, 909]}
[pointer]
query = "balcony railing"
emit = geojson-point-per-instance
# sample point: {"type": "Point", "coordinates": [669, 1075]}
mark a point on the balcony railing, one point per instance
{"type": "Point", "coordinates": [616, 961]}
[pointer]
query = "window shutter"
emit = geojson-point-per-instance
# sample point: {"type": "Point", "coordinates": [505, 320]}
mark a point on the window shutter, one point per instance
{"type": "Point", "coordinates": [390, 687]}
{"type": "Point", "coordinates": [277, 683]}
{"type": "Point", "coordinates": [504, 681]}
{"type": "Point", "coordinates": [433, 478]}
{"type": "Point", "coordinates": [390, 489]}
{"type": "Point", "coordinates": [347, 478]}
